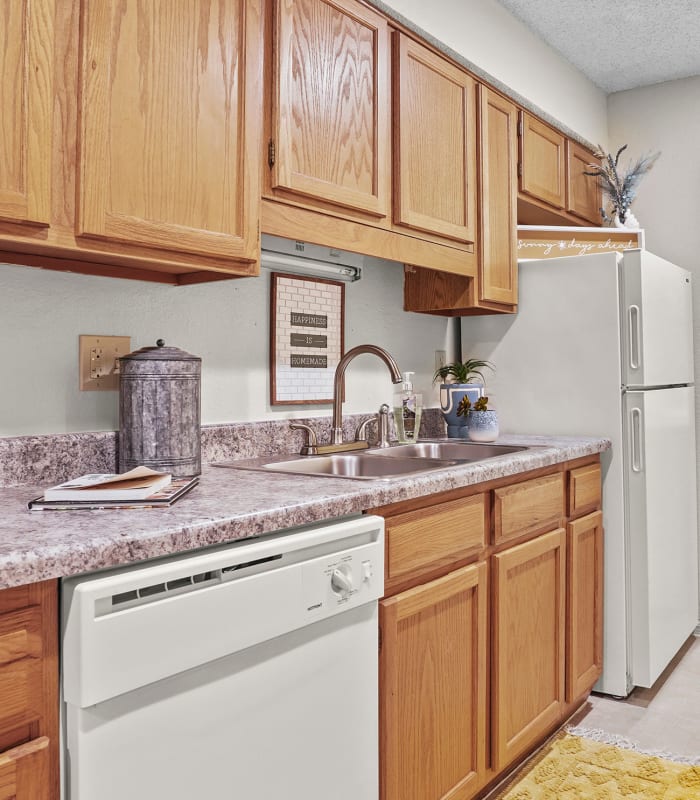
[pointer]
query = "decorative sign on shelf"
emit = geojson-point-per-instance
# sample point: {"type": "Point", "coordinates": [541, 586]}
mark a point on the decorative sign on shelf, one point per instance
{"type": "Point", "coordinates": [554, 242]}
{"type": "Point", "coordinates": [306, 342]}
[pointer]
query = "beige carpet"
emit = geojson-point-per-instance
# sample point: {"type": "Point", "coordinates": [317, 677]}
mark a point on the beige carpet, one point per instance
{"type": "Point", "coordinates": [574, 767]}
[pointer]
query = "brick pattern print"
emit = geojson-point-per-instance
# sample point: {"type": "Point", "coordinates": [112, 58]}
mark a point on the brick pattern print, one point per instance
{"type": "Point", "coordinates": [307, 338]}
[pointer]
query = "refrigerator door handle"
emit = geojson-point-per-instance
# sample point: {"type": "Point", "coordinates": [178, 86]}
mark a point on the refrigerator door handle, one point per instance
{"type": "Point", "coordinates": [633, 317]}
{"type": "Point", "coordinates": [636, 440]}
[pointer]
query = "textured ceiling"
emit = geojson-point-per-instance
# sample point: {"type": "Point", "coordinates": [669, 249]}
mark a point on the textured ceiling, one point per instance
{"type": "Point", "coordinates": [619, 45]}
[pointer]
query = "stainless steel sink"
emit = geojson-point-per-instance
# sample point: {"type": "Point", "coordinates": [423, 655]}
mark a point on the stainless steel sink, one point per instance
{"type": "Point", "coordinates": [458, 451]}
{"type": "Point", "coordinates": [362, 466]}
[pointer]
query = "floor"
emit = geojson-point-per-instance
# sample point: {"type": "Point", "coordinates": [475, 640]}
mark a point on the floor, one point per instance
{"type": "Point", "coordinates": [663, 718]}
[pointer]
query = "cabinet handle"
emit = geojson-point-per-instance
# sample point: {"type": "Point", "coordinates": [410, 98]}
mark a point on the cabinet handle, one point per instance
{"type": "Point", "coordinates": [636, 440]}
{"type": "Point", "coordinates": [633, 315]}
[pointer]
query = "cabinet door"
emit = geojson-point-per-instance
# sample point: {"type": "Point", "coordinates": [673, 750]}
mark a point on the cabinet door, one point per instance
{"type": "Point", "coordinates": [26, 86]}
{"type": "Point", "coordinates": [170, 116]}
{"type": "Point", "coordinates": [433, 688]}
{"type": "Point", "coordinates": [542, 161]}
{"type": "Point", "coordinates": [24, 772]}
{"type": "Point", "coordinates": [528, 645]}
{"type": "Point", "coordinates": [330, 103]}
{"type": "Point", "coordinates": [583, 196]}
{"type": "Point", "coordinates": [584, 628]}
{"type": "Point", "coordinates": [498, 164]}
{"type": "Point", "coordinates": [435, 143]}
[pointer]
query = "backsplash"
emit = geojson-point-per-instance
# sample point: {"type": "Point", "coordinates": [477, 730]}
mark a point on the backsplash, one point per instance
{"type": "Point", "coordinates": [47, 459]}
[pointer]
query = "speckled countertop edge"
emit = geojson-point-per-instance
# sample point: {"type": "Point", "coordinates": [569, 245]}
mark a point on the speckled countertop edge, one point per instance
{"type": "Point", "coordinates": [479, 72]}
{"type": "Point", "coordinates": [230, 504]}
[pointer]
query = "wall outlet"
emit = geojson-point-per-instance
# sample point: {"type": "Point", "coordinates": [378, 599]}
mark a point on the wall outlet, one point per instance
{"type": "Point", "coordinates": [98, 363]}
{"type": "Point", "coordinates": [440, 359]}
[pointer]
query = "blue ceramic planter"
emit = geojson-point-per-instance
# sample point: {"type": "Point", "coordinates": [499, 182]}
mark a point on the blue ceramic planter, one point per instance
{"type": "Point", "coordinates": [451, 395]}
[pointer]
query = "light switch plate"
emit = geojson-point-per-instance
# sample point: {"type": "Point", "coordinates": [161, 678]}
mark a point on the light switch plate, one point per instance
{"type": "Point", "coordinates": [98, 361]}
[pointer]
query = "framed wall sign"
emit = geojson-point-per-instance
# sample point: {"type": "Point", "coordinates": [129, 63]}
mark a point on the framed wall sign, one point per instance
{"type": "Point", "coordinates": [307, 322]}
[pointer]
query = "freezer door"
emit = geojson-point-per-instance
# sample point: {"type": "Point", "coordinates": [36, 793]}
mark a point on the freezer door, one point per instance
{"type": "Point", "coordinates": [656, 321]}
{"type": "Point", "coordinates": [661, 527]}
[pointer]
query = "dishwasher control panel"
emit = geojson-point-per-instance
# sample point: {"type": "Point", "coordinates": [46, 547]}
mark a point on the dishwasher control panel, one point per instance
{"type": "Point", "coordinates": [346, 578]}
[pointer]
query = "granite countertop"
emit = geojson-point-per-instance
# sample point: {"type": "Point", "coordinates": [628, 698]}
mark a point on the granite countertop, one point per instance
{"type": "Point", "coordinates": [230, 504]}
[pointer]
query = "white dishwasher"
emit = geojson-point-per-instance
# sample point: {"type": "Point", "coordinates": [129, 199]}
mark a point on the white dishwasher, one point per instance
{"type": "Point", "coordinates": [245, 671]}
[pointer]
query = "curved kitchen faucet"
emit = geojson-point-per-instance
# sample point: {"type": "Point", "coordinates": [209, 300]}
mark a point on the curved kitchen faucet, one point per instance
{"type": "Point", "coordinates": [311, 447]}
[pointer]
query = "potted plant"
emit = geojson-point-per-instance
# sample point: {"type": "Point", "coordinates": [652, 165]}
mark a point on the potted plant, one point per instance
{"type": "Point", "coordinates": [482, 421]}
{"type": "Point", "coordinates": [459, 381]}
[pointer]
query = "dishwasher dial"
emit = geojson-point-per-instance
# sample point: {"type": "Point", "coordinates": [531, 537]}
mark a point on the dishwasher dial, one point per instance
{"type": "Point", "coordinates": [341, 580]}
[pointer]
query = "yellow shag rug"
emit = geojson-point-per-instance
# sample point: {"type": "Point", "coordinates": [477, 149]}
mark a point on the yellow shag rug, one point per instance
{"type": "Point", "coordinates": [573, 767]}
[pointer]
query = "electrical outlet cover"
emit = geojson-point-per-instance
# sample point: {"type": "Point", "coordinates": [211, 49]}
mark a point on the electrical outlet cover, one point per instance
{"type": "Point", "coordinates": [98, 361]}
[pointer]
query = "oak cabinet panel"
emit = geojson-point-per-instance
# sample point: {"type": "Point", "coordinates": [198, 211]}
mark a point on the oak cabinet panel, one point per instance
{"type": "Point", "coordinates": [583, 195]}
{"type": "Point", "coordinates": [433, 537]}
{"type": "Point", "coordinates": [433, 688]}
{"type": "Point", "coordinates": [584, 624]}
{"type": "Point", "coordinates": [170, 122]}
{"type": "Point", "coordinates": [585, 489]}
{"type": "Point", "coordinates": [330, 114]}
{"type": "Point", "coordinates": [435, 143]}
{"type": "Point", "coordinates": [527, 507]}
{"type": "Point", "coordinates": [26, 102]}
{"type": "Point", "coordinates": [528, 648]}
{"type": "Point", "coordinates": [24, 772]}
{"type": "Point", "coordinates": [542, 161]}
{"type": "Point", "coordinates": [498, 163]}
{"type": "Point", "coordinates": [29, 692]}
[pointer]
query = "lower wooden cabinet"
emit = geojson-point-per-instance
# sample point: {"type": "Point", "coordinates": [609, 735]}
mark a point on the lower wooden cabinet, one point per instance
{"type": "Point", "coordinates": [529, 643]}
{"type": "Point", "coordinates": [29, 692]}
{"type": "Point", "coordinates": [24, 772]}
{"type": "Point", "coordinates": [584, 614]}
{"type": "Point", "coordinates": [491, 630]}
{"type": "Point", "coordinates": [433, 688]}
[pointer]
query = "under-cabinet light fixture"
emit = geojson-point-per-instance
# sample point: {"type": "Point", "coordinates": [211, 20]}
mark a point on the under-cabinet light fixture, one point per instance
{"type": "Point", "coordinates": [298, 265]}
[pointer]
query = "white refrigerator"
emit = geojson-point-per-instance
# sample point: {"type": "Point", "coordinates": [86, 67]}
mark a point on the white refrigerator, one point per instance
{"type": "Point", "coordinates": [603, 345]}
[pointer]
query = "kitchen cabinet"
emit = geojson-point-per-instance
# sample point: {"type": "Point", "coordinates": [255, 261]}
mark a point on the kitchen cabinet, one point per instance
{"type": "Point", "coordinates": [26, 75]}
{"type": "Point", "coordinates": [433, 652]}
{"type": "Point", "coordinates": [583, 195]}
{"type": "Point", "coordinates": [542, 161]}
{"type": "Point", "coordinates": [434, 143]}
{"type": "Point", "coordinates": [330, 110]}
{"type": "Point", "coordinates": [495, 288]}
{"type": "Point", "coordinates": [433, 679]}
{"type": "Point", "coordinates": [29, 692]}
{"type": "Point", "coordinates": [529, 644]}
{"type": "Point", "coordinates": [502, 580]}
{"type": "Point", "coordinates": [330, 155]}
{"type": "Point", "coordinates": [144, 131]}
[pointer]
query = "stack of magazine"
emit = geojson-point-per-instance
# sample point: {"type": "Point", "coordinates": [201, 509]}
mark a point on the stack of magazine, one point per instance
{"type": "Point", "coordinates": [139, 488]}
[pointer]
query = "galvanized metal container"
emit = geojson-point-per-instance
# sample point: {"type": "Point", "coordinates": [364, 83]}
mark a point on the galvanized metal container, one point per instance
{"type": "Point", "coordinates": [160, 410]}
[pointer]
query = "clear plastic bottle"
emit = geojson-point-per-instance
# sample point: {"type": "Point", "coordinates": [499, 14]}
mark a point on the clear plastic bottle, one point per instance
{"type": "Point", "coordinates": [408, 407]}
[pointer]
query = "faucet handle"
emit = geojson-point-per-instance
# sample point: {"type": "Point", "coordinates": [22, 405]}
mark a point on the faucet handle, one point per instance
{"type": "Point", "coordinates": [310, 446]}
{"type": "Point", "coordinates": [361, 432]}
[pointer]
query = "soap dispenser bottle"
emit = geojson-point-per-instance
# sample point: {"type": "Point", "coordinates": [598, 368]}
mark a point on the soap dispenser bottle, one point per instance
{"type": "Point", "coordinates": [408, 407]}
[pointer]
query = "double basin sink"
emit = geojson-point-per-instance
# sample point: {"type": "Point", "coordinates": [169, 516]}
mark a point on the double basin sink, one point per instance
{"type": "Point", "coordinates": [384, 463]}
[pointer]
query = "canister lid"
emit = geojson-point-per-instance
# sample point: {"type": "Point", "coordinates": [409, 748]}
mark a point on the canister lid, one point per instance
{"type": "Point", "coordinates": [161, 353]}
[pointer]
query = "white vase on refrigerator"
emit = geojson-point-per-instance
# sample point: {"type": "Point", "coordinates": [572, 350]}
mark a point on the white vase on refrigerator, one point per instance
{"type": "Point", "coordinates": [602, 345]}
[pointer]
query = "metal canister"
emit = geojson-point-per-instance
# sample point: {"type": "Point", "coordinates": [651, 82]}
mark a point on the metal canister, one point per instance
{"type": "Point", "coordinates": [160, 410]}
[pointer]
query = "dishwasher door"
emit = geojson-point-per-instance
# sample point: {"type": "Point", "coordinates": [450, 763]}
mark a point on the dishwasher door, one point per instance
{"type": "Point", "coordinates": [247, 672]}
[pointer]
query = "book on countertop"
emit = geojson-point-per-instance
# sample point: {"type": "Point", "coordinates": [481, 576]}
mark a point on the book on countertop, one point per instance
{"type": "Point", "coordinates": [161, 498]}
{"type": "Point", "coordinates": [136, 484]}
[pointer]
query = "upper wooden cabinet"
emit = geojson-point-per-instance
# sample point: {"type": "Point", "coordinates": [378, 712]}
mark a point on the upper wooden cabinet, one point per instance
{"type": "Point", "coordinates": [542, 161]}
{"type": "Point", "coordinates": [435, 143]}
{"type": "Point", "coordinates": [26, 101]}
{"type": "Point", "coordinates": [583, 196]}
{"type": "Point", "coordinates": [169, 126]}
{"type": "Point", "coordinates": [498, 163]}
{"type": "Point", "coordinates": [330, 110]}
{"type": "Point", "coordinates": [130, 138]}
